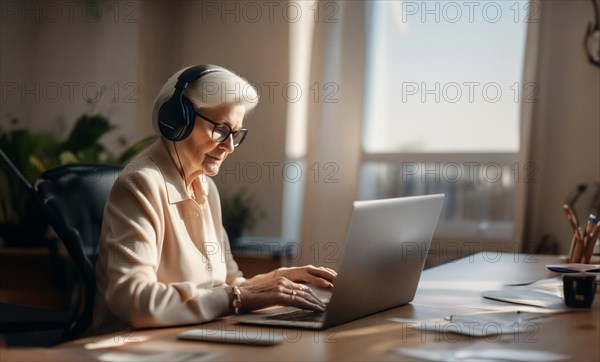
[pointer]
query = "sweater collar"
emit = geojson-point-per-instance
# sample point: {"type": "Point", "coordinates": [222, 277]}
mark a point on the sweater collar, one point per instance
{"type": "Point", "coordinates": [174, 183]}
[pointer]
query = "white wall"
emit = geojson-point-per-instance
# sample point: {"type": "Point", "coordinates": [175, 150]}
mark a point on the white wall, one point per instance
{"type": "Point", "coordinates": [56, 57]}
{"type": "Point", "coordinates": [132, 48]}
{"type": "Point", "coordinates": [566, 124]}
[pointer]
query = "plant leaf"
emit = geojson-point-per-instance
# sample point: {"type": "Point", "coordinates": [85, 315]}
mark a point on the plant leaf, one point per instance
{"type": "Point", "coordinates": [87, 131]}
{"type": "Point", "coordinates": [67, 157]}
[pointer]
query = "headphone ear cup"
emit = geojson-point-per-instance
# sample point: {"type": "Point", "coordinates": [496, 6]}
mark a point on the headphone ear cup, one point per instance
{"type": "Point", "coordinates": [176, 116]}
{"type": "Point", "coordinates": [188, 117]}
{"type": "Point", "coordinates": [171, 120]}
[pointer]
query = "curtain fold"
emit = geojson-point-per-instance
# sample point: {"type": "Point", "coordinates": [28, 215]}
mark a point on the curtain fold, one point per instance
{"type": "Point", "coordinates": [524, 212]}
{"type": "Point", "coordinates": [334, 126]}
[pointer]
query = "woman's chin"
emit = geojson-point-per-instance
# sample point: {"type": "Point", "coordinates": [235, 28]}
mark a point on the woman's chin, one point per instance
{"type": "Point", "coordinates": [211, 168]}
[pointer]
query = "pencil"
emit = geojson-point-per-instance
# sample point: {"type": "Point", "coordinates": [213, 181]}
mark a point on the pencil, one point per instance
{"type": "Point", "coordinates": [577, 238]}
{"type": "Point", "coordinates": [572, 219]}
{"type": "Point", "coordinates": [589, 227]}
{"type": "Point", "coordinates": [576, 257]}
{"type": "Point", "coordinates": [572, 251]}
{"type": "Point", "coordinates": [587, 243]}
{"type": "Point", "coordinates": [591, 242]}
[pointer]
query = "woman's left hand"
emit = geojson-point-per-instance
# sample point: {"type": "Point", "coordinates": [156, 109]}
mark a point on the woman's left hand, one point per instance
{"type": "Point", "coordinates": [283, 286]}
{"type": "Point", "coordinates": [318, 276]}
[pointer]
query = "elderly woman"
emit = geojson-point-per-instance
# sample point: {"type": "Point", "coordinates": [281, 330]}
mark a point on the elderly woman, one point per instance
{"type": "Point", "coordinates": [164, 256]}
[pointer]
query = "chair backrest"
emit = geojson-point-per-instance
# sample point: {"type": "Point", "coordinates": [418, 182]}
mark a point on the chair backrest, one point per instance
{"type": "Point", "coordinates": [73, 198]}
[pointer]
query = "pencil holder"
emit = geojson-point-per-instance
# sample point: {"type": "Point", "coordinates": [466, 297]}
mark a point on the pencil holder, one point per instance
{"type": "Point", "coordinates": [584, 239]}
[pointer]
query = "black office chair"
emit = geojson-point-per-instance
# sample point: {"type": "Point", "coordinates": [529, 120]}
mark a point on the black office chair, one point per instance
{"type": "Point", "coordinates": [72, 199]}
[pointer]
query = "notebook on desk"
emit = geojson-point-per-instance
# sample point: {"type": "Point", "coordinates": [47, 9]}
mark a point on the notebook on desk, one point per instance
{"type": "Point", "coordinates": [386, 245]}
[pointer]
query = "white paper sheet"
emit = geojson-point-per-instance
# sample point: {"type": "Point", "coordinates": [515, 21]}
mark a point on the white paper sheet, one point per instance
{"type": "Point", "coordinates": [124, 356]}
{"type": "Point", "coordinates": [545, 293]}
{"type": "Point", "coordinates": [479, 355]}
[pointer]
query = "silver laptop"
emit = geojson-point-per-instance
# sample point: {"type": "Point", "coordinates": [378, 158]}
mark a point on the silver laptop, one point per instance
{"type": "Point", "coordinates": [386, 245]}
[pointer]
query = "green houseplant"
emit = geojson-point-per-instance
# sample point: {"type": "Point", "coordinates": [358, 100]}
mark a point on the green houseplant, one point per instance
{"type": "Point", "coordinates": [32, 153]}
{"type": "Point", "coordinates": [240, 214]}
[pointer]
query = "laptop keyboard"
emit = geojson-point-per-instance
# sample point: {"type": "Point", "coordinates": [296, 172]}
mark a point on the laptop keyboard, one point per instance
{"type": "Point", "coordinates": [299, 316]}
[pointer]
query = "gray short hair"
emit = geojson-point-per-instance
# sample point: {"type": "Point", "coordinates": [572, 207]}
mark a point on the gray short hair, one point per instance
{"type": "Point", "coordinates": [210, 91]}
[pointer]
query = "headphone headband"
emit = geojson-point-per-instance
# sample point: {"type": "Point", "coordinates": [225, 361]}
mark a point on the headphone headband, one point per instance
{"type": "Point", "coordinates": [176, 116]}
{"type": "Point", "coordinates": [196, 72]}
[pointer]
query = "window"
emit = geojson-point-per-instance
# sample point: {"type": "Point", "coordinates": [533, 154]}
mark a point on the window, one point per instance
{"type": "Point", "coordinates": [443, 93]}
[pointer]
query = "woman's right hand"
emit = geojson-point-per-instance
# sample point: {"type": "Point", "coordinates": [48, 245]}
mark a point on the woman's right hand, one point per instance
{"type": "Point", "coordinates": [279, 291]}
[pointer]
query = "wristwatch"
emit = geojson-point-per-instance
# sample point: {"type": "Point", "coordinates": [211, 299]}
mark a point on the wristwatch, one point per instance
{"type": "Point", "coordinates": [237, 299]}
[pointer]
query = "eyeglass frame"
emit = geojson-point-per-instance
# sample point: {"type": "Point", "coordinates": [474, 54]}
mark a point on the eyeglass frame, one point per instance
{"type": "Point", "coordinates": [231, 132]}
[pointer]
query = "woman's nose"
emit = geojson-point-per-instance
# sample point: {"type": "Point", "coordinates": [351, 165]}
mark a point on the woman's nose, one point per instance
{"type": "Point", "coordinates": [227, 144]}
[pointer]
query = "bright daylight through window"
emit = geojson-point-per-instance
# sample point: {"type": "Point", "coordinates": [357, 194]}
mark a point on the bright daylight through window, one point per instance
{"type": "Point", "coordinates": [442, 101]}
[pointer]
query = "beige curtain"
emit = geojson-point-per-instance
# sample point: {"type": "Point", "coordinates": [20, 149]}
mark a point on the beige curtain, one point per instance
{"type": "Point", "coordinates": [523, 209]}
{"type": "Point", "coordinates": [563, 138]}
{"type": "Point", "coordinates": [334, 127]}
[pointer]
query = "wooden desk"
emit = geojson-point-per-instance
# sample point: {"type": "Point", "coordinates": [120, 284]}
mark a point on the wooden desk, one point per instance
{"type": "Point", "coordinates": [258, 255]}
{"type": "Point", "coordinates": [252, 265]}
{"type": "Point", "coordinates": [375, 337]}
{"type": "Point", "coordinates": [35, 277]}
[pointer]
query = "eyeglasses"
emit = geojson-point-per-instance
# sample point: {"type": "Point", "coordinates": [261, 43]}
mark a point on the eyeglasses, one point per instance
{"type": "Point", "coordinates": [221, 132]}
